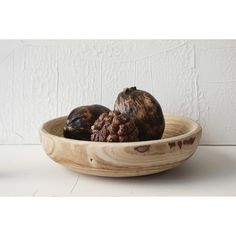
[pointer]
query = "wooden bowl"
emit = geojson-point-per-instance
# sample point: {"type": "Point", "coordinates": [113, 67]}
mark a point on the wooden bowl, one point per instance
{"type": "Point", "coordinates": [179, 142]}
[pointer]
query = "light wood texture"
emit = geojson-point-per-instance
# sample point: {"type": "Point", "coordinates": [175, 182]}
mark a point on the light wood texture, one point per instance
{"type": "Point", "coordinates": [25, 170]}
{"type": "Point", "coordinates": [181, 138]}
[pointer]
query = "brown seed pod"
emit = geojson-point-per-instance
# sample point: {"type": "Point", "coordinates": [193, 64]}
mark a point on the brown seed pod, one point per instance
{"type": "Point", "coordinates": [114, 127]}
{"type": "Point", "coordinates": [80, 120]}
{"type": "Point", "coordinates": [146, 111]}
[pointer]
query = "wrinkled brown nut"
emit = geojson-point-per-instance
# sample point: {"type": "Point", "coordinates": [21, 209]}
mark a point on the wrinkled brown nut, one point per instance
{"type": "Point", "coordinates": [114, 127]}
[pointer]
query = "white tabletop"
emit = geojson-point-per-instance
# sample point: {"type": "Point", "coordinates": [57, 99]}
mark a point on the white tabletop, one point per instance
{"type": "Point", "coordinates": [25, 170]}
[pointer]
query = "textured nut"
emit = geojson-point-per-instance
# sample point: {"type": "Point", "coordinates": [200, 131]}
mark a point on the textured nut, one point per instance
{"type": "Point", "coordinates": [144, 109]}
{"type": "Point", "coordinates": [80, 120]}
{"type": "Point", "coordinates": [114, 127]}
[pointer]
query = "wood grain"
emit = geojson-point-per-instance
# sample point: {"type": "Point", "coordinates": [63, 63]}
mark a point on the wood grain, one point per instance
{"type": "Point", "coordinates": [181, 138]}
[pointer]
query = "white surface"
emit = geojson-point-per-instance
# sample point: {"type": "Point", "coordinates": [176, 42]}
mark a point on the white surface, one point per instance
{"type": "Point", "coordinates": [43, 79]}
{"type": "Point", "coordinates": [26, 171]}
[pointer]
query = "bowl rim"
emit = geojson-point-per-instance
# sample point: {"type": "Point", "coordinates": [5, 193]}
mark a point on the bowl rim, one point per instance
{"type": "Point", "coordinates": [194, 131]}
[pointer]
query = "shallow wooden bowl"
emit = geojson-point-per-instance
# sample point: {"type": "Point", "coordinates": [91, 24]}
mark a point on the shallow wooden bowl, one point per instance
{"type": "Point", "coordinates": [179, 142]}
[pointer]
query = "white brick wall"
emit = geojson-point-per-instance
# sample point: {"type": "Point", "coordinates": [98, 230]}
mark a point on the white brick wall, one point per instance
{"type": "Point", "coordinates": [42, 79]}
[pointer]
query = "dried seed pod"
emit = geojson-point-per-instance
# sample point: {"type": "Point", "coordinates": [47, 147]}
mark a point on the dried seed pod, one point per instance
{"type": "Point", "coordinates": [80, 120]}
{"type": "Point", "coordinates": [114, 127]}
{"type": "Point", "coordinates": [146, 111]}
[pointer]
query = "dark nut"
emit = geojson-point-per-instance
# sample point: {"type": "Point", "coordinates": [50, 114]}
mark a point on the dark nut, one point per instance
{"type": "Point", "coordinates": [80, 120]}
{"type": "Point", "coordinates": [145, 110]}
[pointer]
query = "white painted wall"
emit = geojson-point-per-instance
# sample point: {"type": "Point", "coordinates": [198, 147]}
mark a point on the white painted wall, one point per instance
{"type": "Point", "coordinates": [40, 80]}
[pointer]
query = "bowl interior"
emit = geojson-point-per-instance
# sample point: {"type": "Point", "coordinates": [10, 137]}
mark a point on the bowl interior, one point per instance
{"type": "Point", "coordinates": [175, 126]}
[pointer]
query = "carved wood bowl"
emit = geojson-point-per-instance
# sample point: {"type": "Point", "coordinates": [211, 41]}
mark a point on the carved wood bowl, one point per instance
{"type": "Point", "coordinates": [180, 140]}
